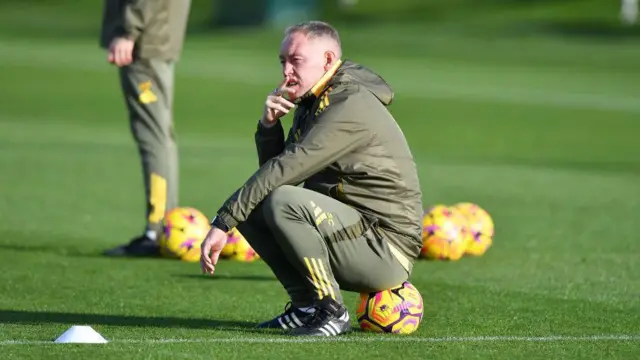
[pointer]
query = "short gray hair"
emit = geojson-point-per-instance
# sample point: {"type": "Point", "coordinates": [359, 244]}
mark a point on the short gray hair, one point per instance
{"type": "Point", "coordinates": [313, 29]}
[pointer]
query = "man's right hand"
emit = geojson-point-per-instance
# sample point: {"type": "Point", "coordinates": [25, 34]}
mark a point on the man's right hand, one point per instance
{"type": "Point", "coordinates": [276, 105]}
{"type": "Point", "coordinates": [121, 51]}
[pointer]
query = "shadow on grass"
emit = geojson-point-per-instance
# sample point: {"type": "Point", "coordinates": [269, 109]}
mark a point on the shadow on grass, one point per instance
{"type": "Point", "coordinates": [222, 277]}
{"type": "Point", "coordinates": [55, 250]}
{"type": "Point", "coordinates": [67, 251]}
{"type": "Point", "coordinates": [88, 253]}
{"type": "Point", "coordinates": [50, 317]}
{"type": "Point", "coordinates": [74, 252]}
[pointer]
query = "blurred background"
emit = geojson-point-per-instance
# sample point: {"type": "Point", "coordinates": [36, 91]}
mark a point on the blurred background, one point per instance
{"type": "Point", "coordinates": [552, 84]}
{"type": "Point", "coordinates": [505, 103]}
{"type": "Point", "coordinates": [529, 108]}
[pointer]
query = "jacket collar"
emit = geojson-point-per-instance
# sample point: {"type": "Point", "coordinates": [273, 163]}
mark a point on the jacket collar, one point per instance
{"type": "Point", "coordinates": [319, 87]}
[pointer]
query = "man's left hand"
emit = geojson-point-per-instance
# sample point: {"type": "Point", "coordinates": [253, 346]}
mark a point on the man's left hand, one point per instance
{"type": "Point", "coordinates": [210, 250]}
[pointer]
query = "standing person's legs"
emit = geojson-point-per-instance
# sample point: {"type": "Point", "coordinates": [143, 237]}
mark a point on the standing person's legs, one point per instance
{"type": "Point", "coordinates": [147, 86]}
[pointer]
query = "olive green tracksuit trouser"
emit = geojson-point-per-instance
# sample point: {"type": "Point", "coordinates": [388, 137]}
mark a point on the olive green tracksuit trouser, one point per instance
{"type": "Point", "coordinates": [316, 246]}
{"type": "Point", "coordinates": [147, 86]}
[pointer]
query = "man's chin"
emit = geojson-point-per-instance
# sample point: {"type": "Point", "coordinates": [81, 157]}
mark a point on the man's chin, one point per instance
{"type": "Point", "coordinates": [297, 94]}
{"type": "Point", "coordinates": [293, 96]}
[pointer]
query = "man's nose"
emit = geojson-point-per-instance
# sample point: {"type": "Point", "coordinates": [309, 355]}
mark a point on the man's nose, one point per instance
{"type": "Point", "coordinates": [287, 69]}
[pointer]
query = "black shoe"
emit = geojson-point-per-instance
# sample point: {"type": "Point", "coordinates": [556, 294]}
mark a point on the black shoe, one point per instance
{"type": "Point", "coordinates": [291, 318]}
{"type": "Point", "coordinates": [140, 246]}
{"type": "Point", "coordinates": [330, 319]}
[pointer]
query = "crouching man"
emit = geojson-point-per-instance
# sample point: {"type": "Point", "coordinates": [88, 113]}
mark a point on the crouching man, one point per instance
{"type": "Point", "coordinates": [355, 224]}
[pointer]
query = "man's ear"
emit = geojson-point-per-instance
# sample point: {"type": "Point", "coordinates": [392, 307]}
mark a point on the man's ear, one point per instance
{"type": "Point", "coordinates": [329, 59]}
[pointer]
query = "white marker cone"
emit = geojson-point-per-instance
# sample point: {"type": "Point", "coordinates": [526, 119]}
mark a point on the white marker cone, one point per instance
{"type": "Point", "coordinates": [81, 334]}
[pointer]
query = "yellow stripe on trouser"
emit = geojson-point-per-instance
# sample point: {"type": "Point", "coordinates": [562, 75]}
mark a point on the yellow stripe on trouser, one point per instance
{"type": "Point", "coordinates": [406, 264]}
{"type": "Point", "coordinates": [357, 230]}
{"type": "Point", "coordinates": [321, 279]}
{"type": "Point", "coordinates": [314, 279]}
{"type": "Point", "coordinates": [326, 279]}
{"type": "Point", "coordinates": [157, 198]}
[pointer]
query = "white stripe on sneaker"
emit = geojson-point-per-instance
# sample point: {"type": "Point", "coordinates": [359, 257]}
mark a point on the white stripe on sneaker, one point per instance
{"type": "Point", "coordinates": [325, 332]}
{"type": "Point", "coordinates": [296, 320]}
{"type": "Point", "coordinates": [284, 326]}
{"type": "Point", "coordinates": [289, 322]}
{"type": "Point", "coordinates": [335, 329]}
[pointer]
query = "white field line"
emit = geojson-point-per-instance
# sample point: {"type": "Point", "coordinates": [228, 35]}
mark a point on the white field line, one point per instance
{"type": "Point", "coordinates": [490, 339]}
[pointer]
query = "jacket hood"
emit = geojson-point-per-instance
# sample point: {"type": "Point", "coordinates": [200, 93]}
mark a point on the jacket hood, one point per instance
{"type": "Point", "coordinates": [350, 72]}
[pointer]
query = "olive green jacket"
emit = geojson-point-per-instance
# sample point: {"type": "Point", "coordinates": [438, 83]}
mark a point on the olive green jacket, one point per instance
{"type": "Point", "coordinates": [343, 143]}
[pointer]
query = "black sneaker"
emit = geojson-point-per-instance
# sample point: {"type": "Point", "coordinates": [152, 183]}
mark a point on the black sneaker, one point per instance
{"type": "Point", "coordinates": [330, 319]}
{"type": "Point", "coordinates": [140, 246]}
{"type": "Point", "coordinates": [291, 318]}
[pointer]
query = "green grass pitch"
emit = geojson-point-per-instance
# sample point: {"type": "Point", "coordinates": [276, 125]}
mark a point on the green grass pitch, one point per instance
{"type": "Point", "coordinates": [540, 130]}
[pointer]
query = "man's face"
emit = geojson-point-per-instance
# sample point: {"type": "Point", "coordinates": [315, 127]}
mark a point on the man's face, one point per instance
{"type": "Point", "coordinates": [303, 62]}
